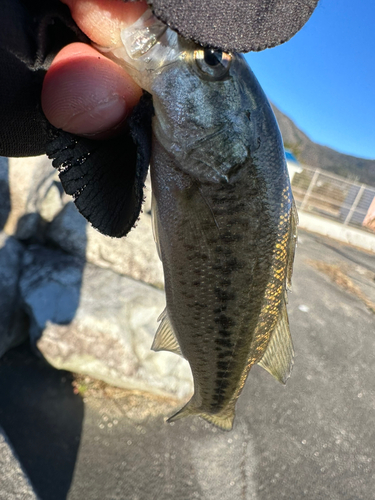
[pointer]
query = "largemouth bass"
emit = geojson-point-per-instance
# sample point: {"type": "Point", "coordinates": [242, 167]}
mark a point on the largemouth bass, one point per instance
{"type": "Point", "coordinates": [223, 212]}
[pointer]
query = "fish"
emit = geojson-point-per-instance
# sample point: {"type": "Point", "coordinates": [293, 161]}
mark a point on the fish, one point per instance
{"type": "Point", "coordinates": [224, 218]}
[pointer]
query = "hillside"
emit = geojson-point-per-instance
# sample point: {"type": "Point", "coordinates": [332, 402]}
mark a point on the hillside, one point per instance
{"type": "Point", "coordinates": [315, 155]}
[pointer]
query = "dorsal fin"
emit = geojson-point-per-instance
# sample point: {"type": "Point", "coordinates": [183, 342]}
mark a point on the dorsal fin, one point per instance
{"type": "Point", "coordinates": [278, 358]}
{"type": "Point", "coordinates": [165, 339]}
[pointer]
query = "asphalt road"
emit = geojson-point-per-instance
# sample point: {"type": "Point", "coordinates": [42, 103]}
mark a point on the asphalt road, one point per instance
{"type": "Point", "coordinates": [313, 439]}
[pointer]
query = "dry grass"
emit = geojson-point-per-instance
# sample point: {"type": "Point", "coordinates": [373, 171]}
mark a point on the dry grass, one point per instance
{"type": "Point", "coordinates": [89, 387]}
{"type": "Point", "coordinates": [135, 405]}
{"type": "Point", "coordinates": [339, 277]}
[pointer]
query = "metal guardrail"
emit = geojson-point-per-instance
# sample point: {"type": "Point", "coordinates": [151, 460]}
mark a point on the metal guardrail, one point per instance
{"type": "Point", "coordinates": [333, 197]}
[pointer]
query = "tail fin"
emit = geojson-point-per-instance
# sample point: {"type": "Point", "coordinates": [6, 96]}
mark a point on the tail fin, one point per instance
{"type": "Point", "coordinates": [222, 420]}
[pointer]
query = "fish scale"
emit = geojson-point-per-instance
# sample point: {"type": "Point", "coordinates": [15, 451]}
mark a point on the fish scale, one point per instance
{"type": "Point", "coordinates": [223, 215]}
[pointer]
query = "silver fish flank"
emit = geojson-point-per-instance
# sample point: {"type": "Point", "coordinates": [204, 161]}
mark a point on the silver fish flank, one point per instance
{"type": "Point", "coordinates": [223, 212]}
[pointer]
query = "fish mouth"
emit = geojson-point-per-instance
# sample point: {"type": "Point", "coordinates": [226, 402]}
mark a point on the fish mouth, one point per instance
{"type": "Point", "coordinates": [147, 47]}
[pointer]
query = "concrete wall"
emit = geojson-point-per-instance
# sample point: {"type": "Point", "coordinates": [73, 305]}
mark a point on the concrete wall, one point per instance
{"type": "Point", "coordinates": [337, 231]}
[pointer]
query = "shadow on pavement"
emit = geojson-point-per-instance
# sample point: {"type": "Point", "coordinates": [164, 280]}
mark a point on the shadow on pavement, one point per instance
{"type": "Point", "coordinates": [42, 418]}
{"type": "Point", "coordinates": [39, 412]}
{"type": "Point", "coordinates": [5, 205]}
{"type": "Point", "coordinates": [351, 254]}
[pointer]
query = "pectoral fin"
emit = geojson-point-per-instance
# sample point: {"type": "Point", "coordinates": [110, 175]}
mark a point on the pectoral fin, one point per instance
{"type": "Point", "coordinates": [278, 358]}
{"type": "Point", "coordinates": [165, 339]}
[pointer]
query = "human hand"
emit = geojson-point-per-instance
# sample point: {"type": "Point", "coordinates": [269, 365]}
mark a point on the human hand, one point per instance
{"type": "Point", "coordinates": [83, 92]}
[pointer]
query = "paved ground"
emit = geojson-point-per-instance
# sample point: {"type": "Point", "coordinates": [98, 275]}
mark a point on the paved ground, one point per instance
{"type": "Point", "coordinates": [13, 481]}
{"type": "Point", "coordinates": [312, 439]}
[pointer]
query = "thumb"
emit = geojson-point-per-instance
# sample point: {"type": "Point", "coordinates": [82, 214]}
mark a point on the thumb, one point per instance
{"type": "Point", "coordinates": [87, 94]}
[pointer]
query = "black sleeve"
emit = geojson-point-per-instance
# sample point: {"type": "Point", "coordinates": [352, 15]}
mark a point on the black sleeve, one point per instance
{"type": "Point", "coordinates": [31, 34]}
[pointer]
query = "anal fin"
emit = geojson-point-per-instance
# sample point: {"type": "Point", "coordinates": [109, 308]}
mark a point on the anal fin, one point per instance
{"type": "Point", "coordinates": [278, 358]}
{"type": "Point", "coordinates": [165, 339]}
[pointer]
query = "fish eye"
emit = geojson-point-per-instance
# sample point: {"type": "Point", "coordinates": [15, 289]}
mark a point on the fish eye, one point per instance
{"type": "Point", "coordinates": [213, 57]}
{"type": "Point", "coordinates": [212, 64]}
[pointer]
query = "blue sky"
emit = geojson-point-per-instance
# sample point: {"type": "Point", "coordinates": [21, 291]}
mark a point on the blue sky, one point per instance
{"type": "Point", "coordinates": [324, 77]}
